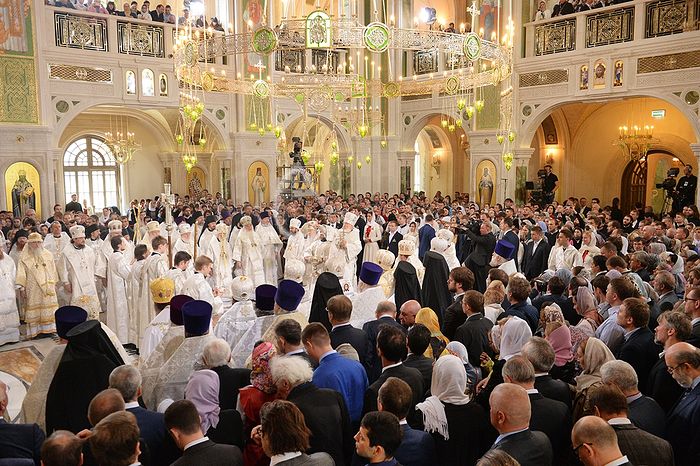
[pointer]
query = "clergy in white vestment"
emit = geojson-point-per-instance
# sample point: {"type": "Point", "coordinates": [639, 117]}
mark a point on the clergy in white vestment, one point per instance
{"type": "Point", "coordinates": [450, 254]}
{"type": "Point", "coordinates": [93, 238]}
{"type": "Point", "coordinates": [408, 251]}
{"type": "Point", "coordinates": [371, 235]}
{"type": "Point", "coordinates": [198, 287]}
{"type": "Point", "coordinates": [501, 257]}
{"type": "Point", "coordinates": [369, 294]}
{"type": "Point", "coordinates": [176, 371]}
{"type": "Point", "coordinates": [134, 293]}
{"type": "Point", "coordinates": [347, 246]}
{"type": "Point", "coordinates": [162, 291]}
{"type": "Point", "coordinates": [287, 299]}
{"type": "Point", "coordinates": [181, 270]}
{"type": "Point", "coordinates": [154, 266]}
{"type": "Point", "coordinates": [106, 250]}
{"type": "Point", "coordinates": [207, 233]}
{"type": "Point", "coordinates": [118, 269]}
{"type": "Point", "coordinates": [164, 328]}
{"type": "Point", "coordinates": [9, 315]}
{"type": "Point", "coordinates": [37, 278]}
{"type": "Point", "coordinates": [240, 316]}
{"type": "Point", "coordinates": [152, 232]}
{"type": "Point", "coordinates": [184, 242]}
{"type": "Point", "coordinates": [77, 273]}
{"type": "Point", "coordinates": [241, 346]}
{"type": "Point", "coordinates": [312, 238]}
{"type": "Point", "coordinates": [385, 259]}
{"type": "Point", "coordinates": [248, 252]}
{"type": "Point", "coordinates": [20, 244]}
{"type": "Point", "coordinates": [219, 251]}
{"type": "Point", "coordinates": [95, 241]}
{"type": "Point", "coordinates": [271, 245]}
{"type": "Point", "coordinates": [55, 242]}
{"type": "Point", "coordinates": [295, 242]}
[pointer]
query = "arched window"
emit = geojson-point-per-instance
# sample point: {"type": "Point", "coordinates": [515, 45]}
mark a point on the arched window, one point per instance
{"type": "Point", "coordinates": [130, 82]}
{"type": "Point", "coordinates": [90, 170]}
{"type": "Point", "coordinates": [148, 86]}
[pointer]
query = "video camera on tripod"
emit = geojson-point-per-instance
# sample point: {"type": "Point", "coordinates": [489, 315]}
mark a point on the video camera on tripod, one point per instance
{"type": "Point", "coordinates": [537, 196]}
{"type": "Point", "coordinates": [669, 184]}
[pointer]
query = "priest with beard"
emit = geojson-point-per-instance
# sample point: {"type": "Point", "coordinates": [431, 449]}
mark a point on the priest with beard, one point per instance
{"type": "Point", "coordinates": [220, 252]}
{"type": "Point", "coordinates": [77, 273]}
{"type": "Point", "coordinates": [94, 240]}
{"type": "Point", "coordinates": [295, 242]}
{"type": "Point", "coordinates": [248, 252]}
{"type": "Point", "coordinates": [184, 242]}
{"type": "Point", "coordinates": [36, 279]}
{"type": "Point", "coordinates": [347, 247]}
{"type": "Point", "coordinates": [207, 233]}
{"type": "Point", "coordinates": [55, 242]}
{"type": "Point", "coordinates": [271, 245]}
{"type": "Point", "coordinates": [436, 295]}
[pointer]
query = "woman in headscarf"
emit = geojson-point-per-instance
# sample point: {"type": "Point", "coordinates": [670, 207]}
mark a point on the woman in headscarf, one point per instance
{"type": "Point", "coordinates": [460, 427]}
{"type": "Point", "coordinates": [557, 333]}
{"type": "Point", "coordinates": [221, 426]}
{"type": "Point", "coordinates": [585, 306]}
{"type": "Point", "coordinates": [591, 355]}
{"type": "Point", "coordinates": [251, 398]}
{"type": "Point", "coordinates": [507, 338]}
{"type": "Point", "coordinates": [406, 284]}
{"type": "Point", "coordinates": [456, 348]}
{"type": "Point", "coordinates": [675, 262]}
{"type": "Point", "coordinates": [436, 295]}
{"type": "Point", "coordinates": [493, 298]}
{"type": "Point", "coordinates": [438, 341]}
{"type": "Point", "coordinates": [83, 372]}
{"type": "Point", "coordinates": [588, 249]}
{"type": "Point", "coordinates": [327, 286]}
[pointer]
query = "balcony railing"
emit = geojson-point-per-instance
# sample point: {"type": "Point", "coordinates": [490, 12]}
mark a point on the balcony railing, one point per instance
{"type": "Point", "coordinates": [629, 21]}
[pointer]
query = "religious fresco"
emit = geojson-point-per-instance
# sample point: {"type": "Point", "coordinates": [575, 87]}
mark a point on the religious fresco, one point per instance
{"type": "Point", "coordinates": [196, 182]}
{"type": "Point", "coordinates": [485, 182]}
{"type": "Point", "coordinates": [583, 78]}
{"type": "Point", "coordinates": [22, 189]}
{"type": "Point", "coordinates": [17, 69]}
{"type": "Point", "coordinates": [16, 37]}
{"type": "Point", "coordinates": [618, 70]}
{"type": "Point", "coordinates": [599, 74]}
{"type": "Point", "coordinates": [258, 183]}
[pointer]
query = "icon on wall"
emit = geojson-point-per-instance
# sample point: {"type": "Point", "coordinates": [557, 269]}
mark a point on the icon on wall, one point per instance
{"type": "Point", "coordinates": [617, 79]}
{"type": "Point", "coordinates": [22, 189]}
{"type": "Point", "coordinates": [583, 78]}
{"type": "Point", "coordinates": [599, 74]}
{"type": "Point", "coordinates": [258, 183]}
{"type": "Point", "coordinates": [196, 182]}
{"type": "Point", "coordinates": [485, 186]}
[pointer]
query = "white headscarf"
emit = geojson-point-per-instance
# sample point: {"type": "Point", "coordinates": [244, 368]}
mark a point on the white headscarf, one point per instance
{"type": "Point", "coordinates": [448, 386]}
{"type": "Point", "coordinates": [459, 350]}
{"type": "Point", "coordinates": [514, 334]}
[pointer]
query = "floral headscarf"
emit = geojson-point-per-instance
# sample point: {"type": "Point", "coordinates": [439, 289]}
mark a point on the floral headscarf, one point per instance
{"type": "Point", "coordinates": [261, 377]}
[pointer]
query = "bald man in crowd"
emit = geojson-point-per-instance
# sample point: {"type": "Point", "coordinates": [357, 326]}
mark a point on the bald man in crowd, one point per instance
{"type": "Point", "coordinates": [510, 416]}
{"type": "Point", "coordinates": [408, 312]}
{"type": "Point", "coordinates": [595, 443]}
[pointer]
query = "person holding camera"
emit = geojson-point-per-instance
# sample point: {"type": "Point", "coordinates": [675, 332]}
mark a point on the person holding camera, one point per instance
{"type": "Point", "coordinates": [685, 189]}
{"type": "Point", "coordinates": [298, 166]}
{"type": "Point", "coordinates": [550, 183]}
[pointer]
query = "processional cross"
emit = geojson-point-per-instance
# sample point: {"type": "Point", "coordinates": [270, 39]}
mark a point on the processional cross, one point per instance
{"type": "Point", "coordinates": [168, 199]}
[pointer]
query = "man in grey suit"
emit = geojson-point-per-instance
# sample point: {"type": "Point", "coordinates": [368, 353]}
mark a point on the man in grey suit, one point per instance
{"type": "Point", "coordinates": [640, 447]}
{"type": "Point", "coordinates": [595, 443]}
{"type": "Point", "coordinates": [285, 437]}
{"type": "Point", "coordinates": [182, 421]}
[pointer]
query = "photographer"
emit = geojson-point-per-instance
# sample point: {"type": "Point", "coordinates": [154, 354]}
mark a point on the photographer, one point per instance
{"type": "Point", "coordinates": [298, 167]}
{"type": "Point", "coordinates": [550, 183]}
{"type": "Point", "coordinates": [685, 189]}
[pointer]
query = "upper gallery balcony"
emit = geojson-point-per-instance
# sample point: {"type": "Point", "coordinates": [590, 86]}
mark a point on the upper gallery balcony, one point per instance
{"type": "Point", "coordinates": [633, 23]}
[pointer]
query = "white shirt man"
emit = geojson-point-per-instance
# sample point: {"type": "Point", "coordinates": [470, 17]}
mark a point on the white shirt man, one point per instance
{"type": "Point", "coordinates": [564, 255]}
{"type": "Point", "coordinates": [77, 273]}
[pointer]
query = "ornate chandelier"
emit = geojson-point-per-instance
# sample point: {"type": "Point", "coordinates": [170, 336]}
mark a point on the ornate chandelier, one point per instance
{"type": "Point", "coordinates": [121, 141]}
{"type": "Point", "coordinates": [636, 141]}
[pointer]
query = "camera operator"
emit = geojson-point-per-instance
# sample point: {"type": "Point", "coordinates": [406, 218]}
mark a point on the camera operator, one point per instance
{"type": "Point", "coordinates": [685, 189]}
{"type": "Point", "coordinates": [550, 183]}
{"type": "Point", "coordinates": [298, 167]}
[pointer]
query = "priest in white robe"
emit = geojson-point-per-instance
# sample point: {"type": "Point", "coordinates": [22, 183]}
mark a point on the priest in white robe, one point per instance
{"type": "Point", "coordinates": [207, 233]}
{"type": "Point", "coordinates": [295, 242]}
{"type": "Point", "coordinates": [385, 259]}
{"type": "Point", "coordinates": [346, 248]}
{"type": "Point", "coordinates": [271, 245]}
{"type": "Point", "coordinates": [118, 269]}
{"type": "Point", "coordinates": [93, 238]}
{"type": "Point", "coordinates": [166, 326]}
{"type": "Point", "coordinates": [241, 336]}
{"type": "Point", "coordinates": [9, 315]}
{"type": "Point", "coordinates": [450, 254]}
{"type": "Point", "coordinates": [55, 242]}
{"type": "Point", "coordinates": [36, 279]}
{"type": "Point", "coordinates": [77, 273]}
{"type": "Point", "coordinates": [198, 287]}
{"type": "Point", "coordinates": [369, 294]}
{"type": "Point", "coordinates": [184, 242]}
{"type": "Point", "coordinates": [220, 252]}
{"type": "Point", "coordinates": [248, 252]}
{"type": "Point", "coordinates": [240, 316]}
{"type": "Point", "coordinates": [502, 257]}
{"type": "Point", "coordinates": [155, 266]}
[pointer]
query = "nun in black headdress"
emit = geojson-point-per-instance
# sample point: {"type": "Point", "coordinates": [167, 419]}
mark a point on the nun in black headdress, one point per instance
{"type": "Point", "coordinates": [327, 286]}
{"type": "Point", "coordinates": [406, 284]}
{"type": "Point", "coordinates": [83, 372]}
{"type": "Point", "coordinates": [436, 295]}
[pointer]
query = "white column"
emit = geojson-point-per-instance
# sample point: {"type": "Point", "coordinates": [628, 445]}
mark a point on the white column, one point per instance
{"type": "Point", "coordinates": [696, 151]}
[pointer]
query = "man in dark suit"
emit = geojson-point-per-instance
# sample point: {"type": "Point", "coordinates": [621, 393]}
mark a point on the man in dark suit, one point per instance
{"type": "Point", "coordinates": [541, 355]}
{"type": "Point", "coordinates": [555, 294]}
{"type": "Point", "coordinates": [18, 440]}
{"type": "Point", "coordinates": [391, 238]}
{"type": "Point", "coordinates": [127, 380]}
{"type": "Point", "coordinates": [287, 342]}
{"type": "Point", "coordinates": [638, 347]}
{"type": "Point", "coordinates": [509, 232]}
{"type": "Point", "coordinates": [460, 280]}
{"type": "Point", "coordinates": [183, 423]}
{"type": "Point", "coordinates": [425, 234]}
{"type": "Point", "coordinates": [324, 409]}
{"type": "Point", "coordinates": [692, 310]}
{"type": "Point", "coordinates": [385, 315]}
{"type": "Point", "coordinates": [673, 327]}
{"type": "Point", "coordinates": [391, 347]}
{"type": "Point", "coordinates": [562, 8]}
{"type": "Point", "coordinates": [535, 254]}
{"type": "Point", "coordinates": [483, 245]}
{"type": "Point", "coordinates": [417, 447]}
{"type": "Point", "coordinates": [665, 286]}
{"type": "Point", "coordinates": [518, 293]}
{"type": "Point", "coordinates": [683, 425]}
{"type": "Point", "coordinates": [595, 443]}
{"type": "Point", "coordinates": [157, 14]}
{"type": "Point", "coordinates": [643, 411]}
{"type": "Point", "coordinates": [473, 333]}
{"type": "Point", "coordinates": [418, 342]}
{"type": "Point", "coordinates": [115, 439]}
{"type": "Point", "coordinates": [62, 448]}
{"type": "Point", "coordinates": [546, 415]}
{"type": "Point", "coordinates": [510, 416]}
{"type": "Point", "coordinates": [339, 312]}
{"type": "Point", "coordinates": [640, 447]}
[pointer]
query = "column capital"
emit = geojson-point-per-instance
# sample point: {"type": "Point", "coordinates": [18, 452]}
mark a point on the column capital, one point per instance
{"type": "Point", "coordinates": [523, 152]}
{"type": "Point", "coordinates": [695, 147]}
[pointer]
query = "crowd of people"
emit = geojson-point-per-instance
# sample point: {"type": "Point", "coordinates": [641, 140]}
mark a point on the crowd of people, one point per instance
{"type": "Point", "coordinates": [567, 7]}
{"type": "Point", "coordinates": [372, 329]}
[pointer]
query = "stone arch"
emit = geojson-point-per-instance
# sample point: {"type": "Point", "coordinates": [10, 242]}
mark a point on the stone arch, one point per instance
{"type": "Point", "coordinates": [344, 138]}
{"type": "Point", "coordinates": [418, 122]}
